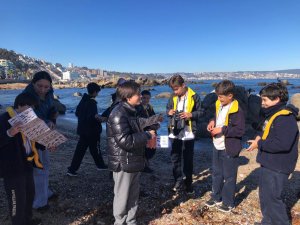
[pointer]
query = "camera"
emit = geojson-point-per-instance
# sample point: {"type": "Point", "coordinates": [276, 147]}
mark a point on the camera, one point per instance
{"type": "Point", "coordinates": [177, 124]}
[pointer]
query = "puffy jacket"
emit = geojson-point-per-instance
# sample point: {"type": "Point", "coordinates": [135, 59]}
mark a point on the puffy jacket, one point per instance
{"type": "Point", "coordinates": [87, 123]}
{"type": "Point", "coordinates": [126, 139]}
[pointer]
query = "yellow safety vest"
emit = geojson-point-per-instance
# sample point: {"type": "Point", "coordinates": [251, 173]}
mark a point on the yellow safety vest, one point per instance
{"type": "Point", "coordinates": [35, 157]}
{"type": "Point", "coordinates": [282, 112]}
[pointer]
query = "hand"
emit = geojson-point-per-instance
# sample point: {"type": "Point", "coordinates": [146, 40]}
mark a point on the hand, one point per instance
{"type": "Point", "coordinates": [153, 134]}
{"type": "Point", "coordinates": [253, 144]}
{"type": "Point", "coordinates": [216, 130]}
{"type": "Point", "coordinates": [210, 125]}
{"type": "Point", "coordinates": [100, 118]}
{"type": "Point", "coordinates": [51, 125]}
{"type": "Point", "coordinates": [171, 112]}
{"type": "Point", "coordinates": [185, 115]}
{"type": "Point", "coordinates": [14, 129]}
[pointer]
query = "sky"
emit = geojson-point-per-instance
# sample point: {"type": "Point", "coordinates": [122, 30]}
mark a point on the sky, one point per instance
{"type": "Point", "coordinates": [156, 36]}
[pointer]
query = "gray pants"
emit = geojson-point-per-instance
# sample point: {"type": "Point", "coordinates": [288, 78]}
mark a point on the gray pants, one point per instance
{"type": "Point", "coordinates": [41, 181]}
{"type": "Point", "coordinates": [126, 190]}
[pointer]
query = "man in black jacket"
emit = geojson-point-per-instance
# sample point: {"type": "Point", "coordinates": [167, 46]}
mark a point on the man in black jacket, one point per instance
{"type": "Point", "coordinates": [277, 152]}
{"type": "Point", "coordinates": [89, 130]}
{"type": "Point", "coordinates": [16, 164]}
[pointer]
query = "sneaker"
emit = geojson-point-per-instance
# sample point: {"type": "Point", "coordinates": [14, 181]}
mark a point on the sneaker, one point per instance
{"type": "Point", "coordinates": [225, 208]}
{"type": "Point", "coordinates": [211, 203]}
{"type": "Point", "coordinates": [177, 187]}
{"type": "Point", "coordinates": [53, 197]}
{"type": "Point", "coordinates": [189, 190]}
{"type": "Point", "coordinates": [43, 209]}
{"type": "Point", "coordinates": [72, 174]}
{"type": "Point", "coordinates": [148, 170]}
{"type": "Point", "coordinates": [102, 167]}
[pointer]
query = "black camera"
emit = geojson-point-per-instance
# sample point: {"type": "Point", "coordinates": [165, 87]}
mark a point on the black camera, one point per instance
{"type": "Point", "coordinates": [177, 124]}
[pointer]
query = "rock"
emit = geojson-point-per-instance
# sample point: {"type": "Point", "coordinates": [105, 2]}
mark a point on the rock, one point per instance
{"type": "Point", "coordinates": [262, 83]}
{"type": "Point", "coordinates": [56, 96]}
{"type": "Point", "coordinates": [77, 94]}
{"type": "Point", "coordinates": [164, 95]}
{"type": "Point", "coordinates": [295, 100]}
{"type": "Point", "coordinates": [285, 82]}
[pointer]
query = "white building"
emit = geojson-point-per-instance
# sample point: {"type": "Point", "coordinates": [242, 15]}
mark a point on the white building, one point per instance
{"type": "Point", "coordinates": [68, 75]}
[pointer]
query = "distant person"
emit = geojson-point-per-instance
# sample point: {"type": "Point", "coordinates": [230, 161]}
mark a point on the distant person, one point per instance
{"type": "Point", "coordinates": [277, 146]}
{"type": "Point", "coordinates": [89, 130]}
{"type": "Point", "coordinates": [227, 129]}
{"type": "Point", "coordinates": [41, 88]}
{"type": "Point", "coordinates": [183, 110]}
{"type": "Point", "coordinates": [126, 140]}
{"type": "Point", "coordinates": [146, 110]}
{"type": "Point", "coordinates": [16, 163]}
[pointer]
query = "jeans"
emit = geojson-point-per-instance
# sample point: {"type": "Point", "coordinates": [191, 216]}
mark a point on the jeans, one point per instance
{"type": "Point", "coordinates": [224, 176]}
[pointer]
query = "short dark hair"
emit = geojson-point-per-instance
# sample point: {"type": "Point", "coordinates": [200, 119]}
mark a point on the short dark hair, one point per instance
{"type": "Point", "coordinates": [41, 75]}
{"type": "Point", "coordinates": [25, 99]}
{"type": "Point", "coordinates": [128, 89]}
{"type": "Point", "coordinates": [93, 87]}
{"type": "Point", "coordinates": [274, 90]}
{"type": "Point", "coordinates": [146, 92]}
{"type": "Point", "coordinates": [176, 80]}
{"type": "Point", "coordinates": [225, 87]}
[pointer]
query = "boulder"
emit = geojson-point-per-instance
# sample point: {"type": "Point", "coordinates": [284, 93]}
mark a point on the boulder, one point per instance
{"type": "Point", "coordinates": [164, 95]}
{"type": "Point", "coordinates": [295, 100]}
{"type": "Point", "coordinates": [77, 94]}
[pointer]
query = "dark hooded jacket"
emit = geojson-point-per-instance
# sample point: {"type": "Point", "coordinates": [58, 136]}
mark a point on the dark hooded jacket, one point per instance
{"type": "Point", "coordinates": [279, 151]}
{"type": "Point", "coordinates": [87, 123]}
{"type": "Point", "coordinates": [126, 138]}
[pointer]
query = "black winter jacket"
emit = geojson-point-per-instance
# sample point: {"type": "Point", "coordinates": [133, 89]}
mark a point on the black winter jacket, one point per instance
{"type": "Point", "coordinates": [87, 123]}
{"type": "Point", "coordinates": [13, 159]}
{"type": "Point", "coordinates": [279, 152]}
{"type": "Point", "coordinates": [126, 139]}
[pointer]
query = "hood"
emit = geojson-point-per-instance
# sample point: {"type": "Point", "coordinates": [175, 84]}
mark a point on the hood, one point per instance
{"type": "Point", "coordinates": [293, 109]}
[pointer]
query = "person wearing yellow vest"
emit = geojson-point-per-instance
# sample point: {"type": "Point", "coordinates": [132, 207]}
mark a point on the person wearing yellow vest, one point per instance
{"type": "Point", "coordinates": [227, 129]}
{"type": "Point", "coordinates": [277, 145]}
{"type": "Point", "coordinates": [16, 163]}
{"type": "Point", "coordinates": [183, 110]}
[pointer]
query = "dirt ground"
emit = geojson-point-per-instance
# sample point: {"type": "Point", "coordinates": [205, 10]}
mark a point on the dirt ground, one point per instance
{"type": "Point", "coordinates": [87, 199]}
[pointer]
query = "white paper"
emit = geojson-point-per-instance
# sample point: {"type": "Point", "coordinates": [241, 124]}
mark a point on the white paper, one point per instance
{"type": "Point", "coordinates": [162, 141]}
{"type": "Point", "coordinates": [36, 129]}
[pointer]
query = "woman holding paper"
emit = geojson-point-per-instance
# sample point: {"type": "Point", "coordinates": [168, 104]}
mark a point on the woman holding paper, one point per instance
{"type": "Point", "coordinates": [41, 88]}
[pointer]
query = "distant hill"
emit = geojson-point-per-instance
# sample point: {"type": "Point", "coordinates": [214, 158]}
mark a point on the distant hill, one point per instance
{"type": "Point", "coordinates": [292, 71]}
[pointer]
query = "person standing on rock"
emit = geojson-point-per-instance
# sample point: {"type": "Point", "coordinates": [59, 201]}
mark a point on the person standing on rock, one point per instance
{"type": "Point", "coordinates": [277, 146]}
{"type": "Point", "coordinates": [183, 110]}
{"type": "Point", "coordinates": [89, 129]}
{"type": "Point", "coordinates": [227, 129]}
{"type": "Point", "coordinates": [126, 140]}
{"type": "Point", "coordinates": [41, 88]}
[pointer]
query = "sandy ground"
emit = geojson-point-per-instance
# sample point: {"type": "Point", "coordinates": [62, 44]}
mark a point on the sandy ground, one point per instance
{"type": "Point", "coordinates": [87, 199]}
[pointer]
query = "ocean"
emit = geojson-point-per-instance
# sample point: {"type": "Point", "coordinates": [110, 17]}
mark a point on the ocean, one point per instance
{"type": "Point", "coordinates": [159, 104]}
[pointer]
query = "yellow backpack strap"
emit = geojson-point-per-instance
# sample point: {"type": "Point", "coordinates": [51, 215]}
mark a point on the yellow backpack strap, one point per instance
{"type": "Point", "coordinates": [35, 157]}
{"type": "Point", "coordinates": [282, 112]}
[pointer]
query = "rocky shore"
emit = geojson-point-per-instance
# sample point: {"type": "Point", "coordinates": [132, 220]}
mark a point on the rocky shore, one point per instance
{"type": "Point", "coordinates": [87, 199]}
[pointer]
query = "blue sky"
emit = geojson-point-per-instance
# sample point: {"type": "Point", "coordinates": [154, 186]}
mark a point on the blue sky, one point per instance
{"type": "Point", "coordinates": [156, 35]}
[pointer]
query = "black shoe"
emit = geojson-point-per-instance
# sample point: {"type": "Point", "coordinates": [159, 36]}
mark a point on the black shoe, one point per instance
{"type": "Point", "coordinates": [189, 190]}
{"type": "Point", "coordinates": [72, 174]}
{"type": "Point", "coordinates": [211, 203]}
{"type": "Point", "coordinates": [225, 208]}
{"type": "Point", "coordinates": [177, 187]}
{"type": "Point", "coordinates": [53, 197]}
{"type": "Point", "coordinates": [102, 167]}
{"type": "Point", "coordinates": [148, 170]}
{"type": "Point", "coordinates": [43, 208]}
{"type": "Point", "coordinates": [34, 221]}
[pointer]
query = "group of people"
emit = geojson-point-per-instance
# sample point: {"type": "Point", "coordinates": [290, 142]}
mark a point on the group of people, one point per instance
{"type": "Point", "coordinates": [131, 129]}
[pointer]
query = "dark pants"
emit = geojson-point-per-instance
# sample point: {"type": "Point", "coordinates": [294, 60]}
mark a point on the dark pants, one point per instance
{"type": "Point", "coordinates": [20, 194]}
{"type": "Point", "coordinates": [94, 146]}
{"type": "Point", "coordinates": [224, 177]}
{"type": "Point", "coordinates": [183, 149]}
{"type": "Point", "coordinates": [271, 186]}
